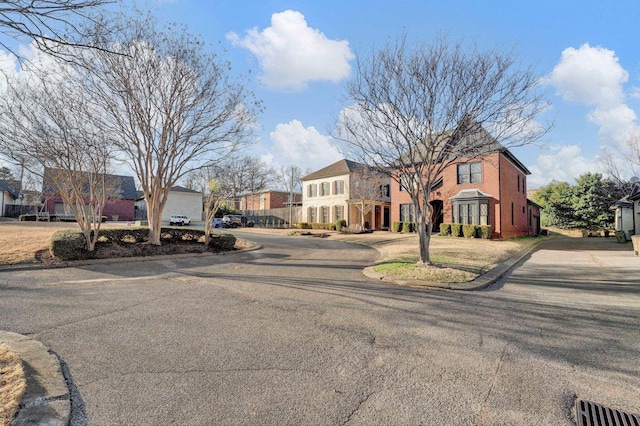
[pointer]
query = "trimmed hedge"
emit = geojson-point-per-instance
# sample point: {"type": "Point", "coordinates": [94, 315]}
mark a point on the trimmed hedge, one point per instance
{"type": "Point", "coordinates": [67, 245]}
{"type": "Point", "coordinates": [396, 226]}
{"type": "Point", "coordinates": [304, 225]}
{"type": "Point", "coordinates": [408, 227]}
{"type": "Point", "coordinates": [445, 229]}
{"type": "Point", "coordinates": [456, 229]}
{"type": "Point", "coordinates": [339, 224]}
{"type": "Point", "coordinates": [485, 231]}
{"type": "Point", "coordinates": [71, 245]}
{"type": "Point", "coordinates": [469, 231]}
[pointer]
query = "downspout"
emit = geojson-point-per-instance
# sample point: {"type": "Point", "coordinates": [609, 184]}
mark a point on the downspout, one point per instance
{"type": "Point", "coordinates": [500, 192]}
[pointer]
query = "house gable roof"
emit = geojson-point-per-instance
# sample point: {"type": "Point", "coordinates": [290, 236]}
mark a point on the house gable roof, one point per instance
{"type": "Point", "coordinates": [635, 193]}
{"type": "Point", "coordinates": [10, 186]}
{"type": "Point", "coordinates": [470, 194]}
{"type": "Point", "coordinates": [339, 168]}
{"type": "Point", "coordinates": [125, 185]}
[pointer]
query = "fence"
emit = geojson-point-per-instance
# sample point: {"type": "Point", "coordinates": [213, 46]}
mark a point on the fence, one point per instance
{"type": "Point", "coordinates": [275, 218]}
{"type": "Point", "coordinates": [15, 210]}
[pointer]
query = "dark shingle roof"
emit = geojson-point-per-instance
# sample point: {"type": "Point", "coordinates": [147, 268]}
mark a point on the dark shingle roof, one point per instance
{"type": "Point", "coordinates": [125, 185]}
{"type": "Point", "coordinates": [339, 168]}
{"type": "Point", "coordinates": [10, 186]}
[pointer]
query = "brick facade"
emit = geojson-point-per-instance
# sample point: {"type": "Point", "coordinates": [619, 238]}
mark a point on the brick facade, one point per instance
{"type": "Point", "coordinates": [268, 200]}
{"type": "Point", "coordinates": [503, 180]}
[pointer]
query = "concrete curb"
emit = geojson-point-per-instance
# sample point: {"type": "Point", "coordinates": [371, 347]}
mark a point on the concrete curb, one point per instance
{"type": "Point", "coordinates": [483, 281]}
{"type": "Point", "coordinates": [47, 400]}
{"type": "Point", "coordinates": [77, 263]}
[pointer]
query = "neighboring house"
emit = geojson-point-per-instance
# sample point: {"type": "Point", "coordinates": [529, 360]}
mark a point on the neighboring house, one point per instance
{"type": "Point", "coordinates": [628, 212]}
{"type": "Point", "coordinates": [120, 205]}
{"type": "Point", "coordinates": [180, 201]}
{"type": "Point", "coordinates": [331, 193]}
{"type": "Point", "coordinates": [9, 196]}
{"type": "Point", "coordinates": [488, 190]}
{"type": "Point", "coordinates": [268, 199]}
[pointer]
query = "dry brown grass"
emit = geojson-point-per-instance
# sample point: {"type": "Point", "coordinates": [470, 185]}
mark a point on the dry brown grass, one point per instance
{"type": "Point", "coordinates": [28, 242]}
{"type": "Point", "coordinates": [12, 384]}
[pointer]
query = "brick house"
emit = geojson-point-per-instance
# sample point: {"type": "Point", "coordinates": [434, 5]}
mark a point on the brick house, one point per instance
{"type": "Point", "coordinates": [488, 190]}
{"type": "Point", "coordinates": [121, 203]}
{"type": "Point", "coordinates": [268, 199]}
{"type": "Point", "coordinates": [331, 193]}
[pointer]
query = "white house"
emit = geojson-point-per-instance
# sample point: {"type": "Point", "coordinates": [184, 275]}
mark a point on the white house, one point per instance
{"type": "Point", "coordinates": [9, 194]}
{"type": "Point", "coordinates": [628, 212]}
{"type": "Point", "coordinates": [336, 192]}
{"type": "Point", "coordinates": [180, 201]}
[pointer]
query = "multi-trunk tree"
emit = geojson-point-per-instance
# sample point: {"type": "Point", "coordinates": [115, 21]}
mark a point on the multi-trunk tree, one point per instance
{"type": "Point", "coordinates": [412, 111]}
{"type": "Point", "coordinates": [169, 102]}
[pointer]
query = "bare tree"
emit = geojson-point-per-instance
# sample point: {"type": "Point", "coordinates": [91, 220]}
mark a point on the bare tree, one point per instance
{"type": "Point", "coordinates": [289, 178]}
{"type": "Point", "coordinates": [218, 193]}
{"type": "Point", "coordinates": [170, 103]}
{"type": "Point", "coordinates": [367, 188]}
{"type": "Point", "coordinates": [49, 119]}
{"type": "Point", "coordinates": [44, 22]}
{"type": "Point", "coordinates": [622, 161]}
{"type": "Point", "coordinates": [412, 112]}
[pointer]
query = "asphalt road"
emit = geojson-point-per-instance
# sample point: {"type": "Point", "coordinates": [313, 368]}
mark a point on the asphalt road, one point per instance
{"type": "Point", "coordinates": [294, 333]}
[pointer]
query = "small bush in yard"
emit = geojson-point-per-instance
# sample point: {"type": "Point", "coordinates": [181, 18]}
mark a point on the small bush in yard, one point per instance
{"type": "Point", "coordinates": [340, 223]}
{"type": "Point", "coordinates": [222, 241]}
{"type": "Point", "coordinates": [396, 226]}
{"type": "Point", "coordinates": [456, 229]}
{"type": "Point", "coordinates": [408, 227]}
{"type": "Point", "coordinates": [469, 231]}
{"type": "Point", "coordinates": [445, 229]}
{"type": "Point", "coordinates": [67, 245]}
{"type": "Point", "coordinates": [485, 231]}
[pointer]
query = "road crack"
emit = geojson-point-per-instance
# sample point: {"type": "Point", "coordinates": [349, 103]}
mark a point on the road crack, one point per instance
{"type": "Point", "coordinates": [493, 382]}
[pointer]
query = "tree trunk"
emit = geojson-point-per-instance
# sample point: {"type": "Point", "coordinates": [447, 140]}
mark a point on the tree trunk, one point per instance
{"type": "Point", "coordinates": [425, 226]}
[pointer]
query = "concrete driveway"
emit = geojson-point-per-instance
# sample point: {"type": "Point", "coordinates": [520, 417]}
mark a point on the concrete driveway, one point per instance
{"type": "Point", "coordinates": [296, 334]}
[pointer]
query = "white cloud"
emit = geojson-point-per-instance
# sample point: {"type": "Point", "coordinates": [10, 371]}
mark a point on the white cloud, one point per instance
{"type": "Point", "coordinates": [564, 164]}
{"type": "Point", "coordinates": [292, 54]}
{"type": "Point", "coordinates": [591, 75]}
{"type": "Point", "coordinates": [594, 76]}
{"type": "Point", "coordinates": [303, 146]}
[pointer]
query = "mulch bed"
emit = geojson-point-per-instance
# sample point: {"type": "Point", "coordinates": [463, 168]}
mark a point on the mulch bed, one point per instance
{"type": "Point", "coordinates": [111, 251]}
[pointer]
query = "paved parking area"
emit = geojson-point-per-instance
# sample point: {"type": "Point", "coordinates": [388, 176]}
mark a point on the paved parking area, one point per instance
{"type": "Point", "coordinates": [296, 334]}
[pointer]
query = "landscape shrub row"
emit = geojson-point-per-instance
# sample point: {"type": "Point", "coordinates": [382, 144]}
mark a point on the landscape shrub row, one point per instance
{"type": "Point", "coordinates": [403, 227]}
{"type": "Point", "coordinates": [71, 245]}
{"type": "Point", "coordinates": [315, 225]}
{"type": "Point", "coordinates": [468, 231]}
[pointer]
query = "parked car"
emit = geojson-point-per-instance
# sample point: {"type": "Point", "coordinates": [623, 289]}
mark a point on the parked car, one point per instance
{"type": "Point", "coordinates": [216, 223]}
{"type": "Point", "coordinates": [179, 219]}
{"type": "Point", "coordinates": [231, 220]}
{"type": "Point", "coordinates": [235, 220]}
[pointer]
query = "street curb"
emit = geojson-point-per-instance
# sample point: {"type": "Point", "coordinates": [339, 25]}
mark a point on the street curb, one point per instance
{"type": "Point", "coordinates": [47, 400]}
{"type": "Point", "coordinates": [483, 281]}
{"type": "Point", "coordinates": [133, 259]}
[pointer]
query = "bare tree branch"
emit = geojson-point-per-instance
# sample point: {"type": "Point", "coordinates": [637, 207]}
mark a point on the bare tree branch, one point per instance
{"type": "Point", "coordinates": [51, 24]}
{"type": "Point", "coordinates": [412, 112]}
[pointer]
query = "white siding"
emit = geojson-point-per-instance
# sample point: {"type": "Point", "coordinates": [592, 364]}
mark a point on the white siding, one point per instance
{"type": "Point", "coordinates": [186, 203]}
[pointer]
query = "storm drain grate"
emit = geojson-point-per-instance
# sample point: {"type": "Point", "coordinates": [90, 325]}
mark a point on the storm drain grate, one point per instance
{"type": "Point", "coordinates": [592, 414]}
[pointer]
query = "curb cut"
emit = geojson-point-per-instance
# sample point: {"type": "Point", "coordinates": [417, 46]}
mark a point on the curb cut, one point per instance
{"type": "Point", "coordinates": [483, 281]}
{"type": "Point", "coordinates": [46, 400]}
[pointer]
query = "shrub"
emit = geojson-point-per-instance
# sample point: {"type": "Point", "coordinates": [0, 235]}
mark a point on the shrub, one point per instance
{"type": "Point", "coordinates": [27, 218]}
{"type": "Point", "coordinates": [456, 229]}
{"type": "Point", "coordinates": [339, 224]}
{"type": "Point", "coordinates": [445, 229]}
{"type": "Point", "coordinates": [469, 231]}
{"type": "Point", "coordinates": [485, 231]}
{"type": "Point", "coordinates": [67, 245]}
{"type": "Point", "coordinates": [222, 241]}
{"type": "Point", "coordinates": [396, 226]}
{"type": "Point", "coordinates": [408, 227]}
{"type": "Point", "coordinates": [304, 225]}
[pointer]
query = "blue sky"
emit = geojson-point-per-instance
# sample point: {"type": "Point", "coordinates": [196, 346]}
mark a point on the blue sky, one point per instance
{"type": "Point", "coordinates": [302, 52]}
